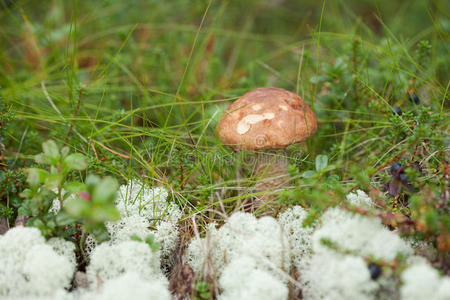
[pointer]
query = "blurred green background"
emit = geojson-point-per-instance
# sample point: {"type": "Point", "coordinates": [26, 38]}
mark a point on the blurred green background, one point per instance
{"type": "Point", "coordinates": [145, 71]}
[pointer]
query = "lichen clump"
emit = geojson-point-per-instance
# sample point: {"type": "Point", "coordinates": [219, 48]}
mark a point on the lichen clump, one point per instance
{"type": "Point", "coordinates": [255, 258]}
{"type": "Point", "coordinates": [30, 267]}
{"type": "Point", "coordinates": [336, 256]}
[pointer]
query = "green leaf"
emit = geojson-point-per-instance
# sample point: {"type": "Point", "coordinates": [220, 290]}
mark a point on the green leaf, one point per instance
{"type": "Point", "coordinates": [23, 211]}
{"type": "Point", "coordinates": [202, 286]}
{"type": "Point", "coordinates": [65, 151]}
{"type": "Point", "coordinates": [105, 191]}
{"type": "Point", "coordinates": [150, 239]}
{"type": "Point", "coordinates": [27, 194]}
{"type": "Point", "coordinates": [51, 224]}
{"type": "Point", "coordinates": [36, 222]}
{"type": "Point", "coordinates": [51, 149]}
{"type": "Point", "coordinates": [134, 237]}
{"type": "Point", "coordinates": [76, 207]}
{"type": "Point", "coordinates": [309, 174]}
{"type": "Point", "coordinates": [92, 181]}
{"type": "Point", "coordinates": [63, 219]}
{"type": "Point", "coordinates": [99, 232]}
{"type": "Point", "coordinates": [36, 176]}
{"type": "Point", "coordinates": [321, 162]}
{"type": "Point", "coordinates": [104, 213]}
{"type": "Point", "coordinates": [53, 180]}
{"type": "Point", "coordinates": [76, 161]}
{"type": "Point", "coordinates": [74, 187]}
{"type": "Point", "coordinates": [42, 159]}
{"type": "Point", "coordinates": [311, 218]}
{"type": "Point", "coordinates": [155, 246]}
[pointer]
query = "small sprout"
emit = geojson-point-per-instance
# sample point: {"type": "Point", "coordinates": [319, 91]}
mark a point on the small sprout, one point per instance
{"type": "Point", "coordinates": [150, 240]}
{"type": "Point", "coordinates": [136, 238]}
{"type": "Point", "coordinates": [374, 270]}
{"type": "Point", "coordinates": [202, 289]}
{"type": "Point", "coordinates": [154, 245]}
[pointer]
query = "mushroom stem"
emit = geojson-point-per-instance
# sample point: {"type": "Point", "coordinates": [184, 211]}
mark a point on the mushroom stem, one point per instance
{"type": "Point", "coordinates": [271, 171]}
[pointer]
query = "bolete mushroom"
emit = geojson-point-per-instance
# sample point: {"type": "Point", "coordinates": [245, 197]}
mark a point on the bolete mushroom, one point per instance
{"type": "Point", "coordinates": [264, 119]}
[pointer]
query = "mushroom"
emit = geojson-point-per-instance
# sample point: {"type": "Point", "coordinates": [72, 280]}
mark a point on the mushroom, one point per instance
{"type": "Point", "coordinates": [266, 119]}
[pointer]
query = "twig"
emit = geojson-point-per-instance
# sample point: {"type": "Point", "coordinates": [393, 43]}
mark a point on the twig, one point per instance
{"type": "Point", "coordinates": [110, 150]}
{"type": "Point", "coordinates": [93, 149]}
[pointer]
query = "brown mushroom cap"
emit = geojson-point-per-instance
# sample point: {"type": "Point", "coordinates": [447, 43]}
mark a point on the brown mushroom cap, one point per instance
{"type": "Point", "coordinates": [266, 118]}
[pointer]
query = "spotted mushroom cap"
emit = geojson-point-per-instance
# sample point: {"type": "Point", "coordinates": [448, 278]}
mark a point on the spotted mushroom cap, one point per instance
{"type": "Point", "coordinates": [266, 118]}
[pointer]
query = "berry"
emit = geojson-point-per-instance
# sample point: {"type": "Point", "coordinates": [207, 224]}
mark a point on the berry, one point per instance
{"type": "Point", "coordinates": [413, 98]}
{"type": "Point", "coordinates": [396, 110]}
{"type": "Point", "coordinates": [85, 195]}
{"type": "Point", "coordinates": [395, 167]}
{"type": "Point", "coordinates": [374, 270]}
